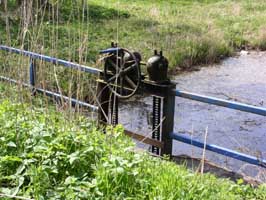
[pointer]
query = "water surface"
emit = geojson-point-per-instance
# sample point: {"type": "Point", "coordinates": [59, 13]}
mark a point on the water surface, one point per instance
{"type": "Point", "coordinates": [241, 79]}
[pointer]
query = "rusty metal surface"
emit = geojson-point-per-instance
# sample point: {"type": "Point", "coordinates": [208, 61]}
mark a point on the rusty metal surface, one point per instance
{"type": "Point", "coordinates": [144, 139]}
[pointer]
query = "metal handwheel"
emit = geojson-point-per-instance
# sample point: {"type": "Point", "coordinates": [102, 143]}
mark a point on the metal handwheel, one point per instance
{"type": "Point", "coordinates": [122, 72]}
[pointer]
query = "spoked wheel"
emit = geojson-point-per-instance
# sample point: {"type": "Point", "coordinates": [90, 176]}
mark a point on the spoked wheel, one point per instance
{"type": "Point", "coordinates": [122, 73]}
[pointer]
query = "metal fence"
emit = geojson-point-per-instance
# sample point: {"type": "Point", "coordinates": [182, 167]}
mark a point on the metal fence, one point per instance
{"type": "Point", "coordinates": [168, 134]}
{"type": "Point", "coordinates": [227, 104]}
{"type": "Point", "coordinates": [32, 72]}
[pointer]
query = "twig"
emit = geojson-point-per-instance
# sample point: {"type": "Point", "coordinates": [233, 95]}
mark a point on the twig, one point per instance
{"type": "Point", "coordinates": [204, 151]}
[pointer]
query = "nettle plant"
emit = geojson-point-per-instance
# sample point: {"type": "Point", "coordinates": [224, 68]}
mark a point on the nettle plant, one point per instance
{"type": "Point", "coordinates": [41, 154]}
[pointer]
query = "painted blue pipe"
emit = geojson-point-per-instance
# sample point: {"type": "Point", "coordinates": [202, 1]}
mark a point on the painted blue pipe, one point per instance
{"type": "Point", "coordinates": [110, 50]}
{"type": "Point", "coordinates": [32, 72]}
{"type": "Point", "coordinates": [220, 150]}
{"type": "Point", "coordinates": [32, 75]}
{"type": "Point", "coordinates": [52, 94]}
{"type": "Point", "coordinates": [220, 102]}
{"type": "Point", "coordinates": [53, 60]}
{"type": "Point", "coordinates": [72, 100]}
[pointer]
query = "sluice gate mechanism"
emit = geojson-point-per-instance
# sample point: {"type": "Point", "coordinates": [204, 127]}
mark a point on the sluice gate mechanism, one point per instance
{"type": "Point", "coordinates": [122, 79]}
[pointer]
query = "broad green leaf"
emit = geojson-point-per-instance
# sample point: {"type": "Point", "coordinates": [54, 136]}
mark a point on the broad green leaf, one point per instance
{"type": "Point", "coordinates": [11, 144]}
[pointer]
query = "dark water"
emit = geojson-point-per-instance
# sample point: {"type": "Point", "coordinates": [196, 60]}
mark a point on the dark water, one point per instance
{"type": "Point", "coordinates": [241, 79]}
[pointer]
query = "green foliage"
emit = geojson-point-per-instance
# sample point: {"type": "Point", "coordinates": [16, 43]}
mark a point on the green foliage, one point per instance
{"type": "Point", "coordinates": [190, 32]}
{"type": "Point", "coordinates": [46, 156]}
{"type": "Point", "coordinates": [73, 10]}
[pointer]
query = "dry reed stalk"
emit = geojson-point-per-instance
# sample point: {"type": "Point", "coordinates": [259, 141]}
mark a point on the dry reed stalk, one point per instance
{"type": "Point", "coordinates": [7, 23]}
{"type": "Point", "coordinates": [204, 151]}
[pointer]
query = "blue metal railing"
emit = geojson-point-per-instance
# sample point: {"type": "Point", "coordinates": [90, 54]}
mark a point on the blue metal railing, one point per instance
{"type": "Point", "coordinates": [52, 94]}
{"type": "Point", "coordinates": [220, 102]}
{"type": "Point", "coordinates": [53, 60]}
{"type": "Point", "coordinates": [214, 148]}
{"type": "Point", "coordinates": [192, 96]}
{"type": "Point", "coordinates": [35, 56]}
{"type": "Point", "coordinates": [220, 150]}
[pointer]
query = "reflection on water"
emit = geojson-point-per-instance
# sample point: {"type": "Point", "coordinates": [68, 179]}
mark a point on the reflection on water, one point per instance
{"type": "Point", "coordinates": [241, 79]}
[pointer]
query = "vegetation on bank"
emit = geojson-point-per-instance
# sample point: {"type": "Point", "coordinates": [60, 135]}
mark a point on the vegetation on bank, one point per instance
{"type": "Point", "coordinates": [189, 31]}
{"type": "Point", "coordinates": [44, 155]}
{"type": "Point", "coordinates": [47, 155]}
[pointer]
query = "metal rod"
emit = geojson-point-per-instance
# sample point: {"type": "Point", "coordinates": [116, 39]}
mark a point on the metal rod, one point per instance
{"type": "Point", "coordinates": [53, 60]}
{"type": "Point", "coordinates": [32, 72]}
{"type": "Point", "coordinates": [103, 96]}
{"type": "Point", "coordinates": [72, 100]}
{"type": "Point", "coordinates": [144, 139]}
{"type": "Point", "coordinates": [110, 50]}
{"type": "Point", "coordinates": [220, 102]}
{"type": "Point", "coordinates": [52, 94]}
{"type": "Point", "coordinates": [114, 109]}
{"type": "Point", "coordinates": [220, 150]}
{"type": "Point", "coordinates": [32, 75]}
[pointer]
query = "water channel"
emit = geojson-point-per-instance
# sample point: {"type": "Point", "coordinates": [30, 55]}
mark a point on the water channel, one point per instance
{"type": "Point", "coordinates": [242, 79]}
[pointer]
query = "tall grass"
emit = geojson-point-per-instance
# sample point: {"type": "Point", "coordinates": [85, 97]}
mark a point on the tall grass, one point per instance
{"type": "Point", "coordinates": [190, 32]}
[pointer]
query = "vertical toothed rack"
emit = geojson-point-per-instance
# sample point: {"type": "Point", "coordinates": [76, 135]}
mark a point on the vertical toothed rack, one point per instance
{"type": "Point", "coordinates": [114, 110]}
{"type": "Point", "coordinates": [156, 122]}
{"type": "Point", "coordinates": [163, 114]}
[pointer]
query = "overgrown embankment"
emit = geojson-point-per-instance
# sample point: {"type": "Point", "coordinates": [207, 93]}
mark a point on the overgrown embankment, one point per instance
{"type": "Point", "coordinates": [190, 32]}
{"type": "Point", "coordinates": [44, 155]}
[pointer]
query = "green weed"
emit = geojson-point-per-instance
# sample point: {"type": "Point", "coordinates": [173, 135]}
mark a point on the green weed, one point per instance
{"type": "Point", "coordinates": [44, 155]}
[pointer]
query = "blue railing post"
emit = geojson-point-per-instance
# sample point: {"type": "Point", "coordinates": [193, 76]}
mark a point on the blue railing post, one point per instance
{"type": "Point", "coordinates": [33, 75]}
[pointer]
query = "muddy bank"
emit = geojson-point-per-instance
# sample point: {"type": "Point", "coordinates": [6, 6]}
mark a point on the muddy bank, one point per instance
{"type": "Point", "coordinates": [241, 79]}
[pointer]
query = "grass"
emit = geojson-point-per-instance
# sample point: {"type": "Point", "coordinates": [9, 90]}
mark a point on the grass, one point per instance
{"type": "Point", "coordinates": [45, 155]}
{"type": "Point", "coordinates": [190, 32]}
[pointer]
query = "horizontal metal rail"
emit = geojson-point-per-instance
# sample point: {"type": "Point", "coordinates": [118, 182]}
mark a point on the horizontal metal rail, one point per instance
{"type": "Point", "coordinates": [220, 150]}
{"type": "Point", "coordinates": [52, 94]}
{"type": "Point", "coordinates": [53, 60]}
{"type": "Point", "coordinates": [220, 102]}
{"type": "Point", "coordinates": [223, 103]}
{"type": "Point", "coordinates": [110, 50]}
